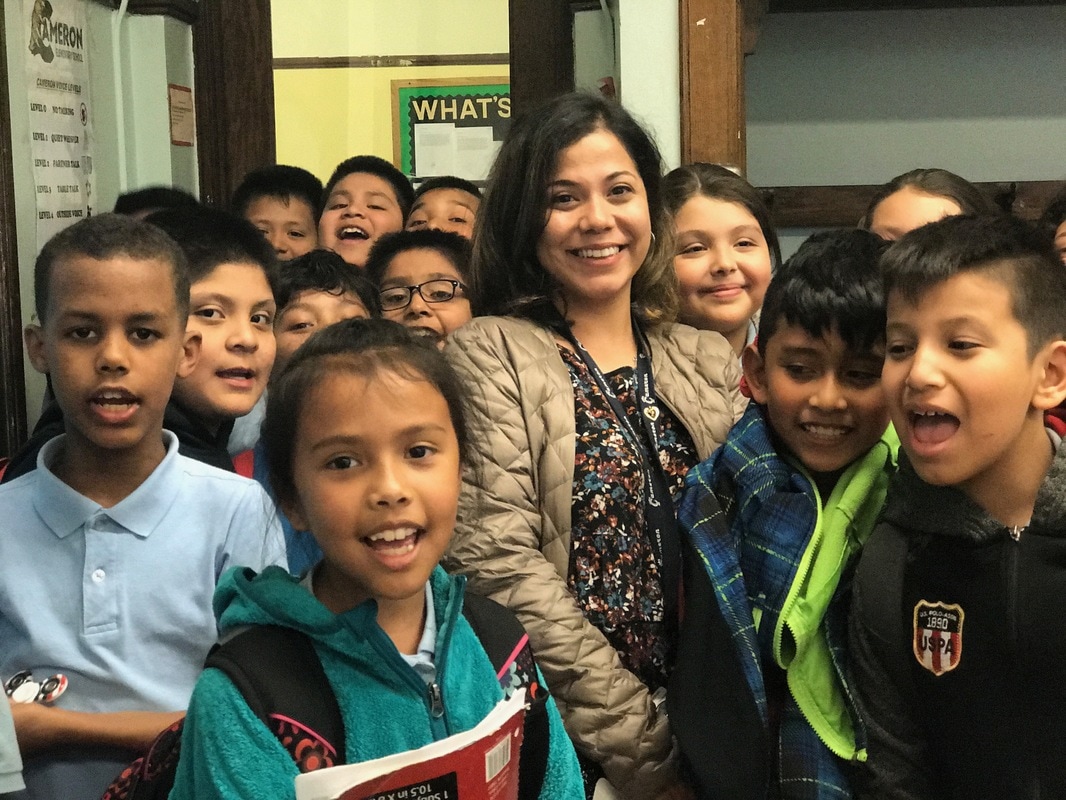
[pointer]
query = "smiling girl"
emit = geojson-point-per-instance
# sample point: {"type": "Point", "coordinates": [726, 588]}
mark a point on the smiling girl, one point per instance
{"type": "Point", "coordinates": [367, 437]}
{"type": "Point", "coordinates": [726, 249]}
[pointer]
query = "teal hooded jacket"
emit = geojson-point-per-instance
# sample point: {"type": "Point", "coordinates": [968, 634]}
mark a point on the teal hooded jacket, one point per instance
{"type": "Point", "coordinates": [227, 752]}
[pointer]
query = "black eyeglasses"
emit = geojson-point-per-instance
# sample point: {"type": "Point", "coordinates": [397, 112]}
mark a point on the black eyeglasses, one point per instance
{"type": "Point", "coordinates": [439, 290]}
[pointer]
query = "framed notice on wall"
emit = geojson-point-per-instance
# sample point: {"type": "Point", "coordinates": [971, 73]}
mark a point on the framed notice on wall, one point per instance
{"type": "Point", "coordinates": [449, 127]}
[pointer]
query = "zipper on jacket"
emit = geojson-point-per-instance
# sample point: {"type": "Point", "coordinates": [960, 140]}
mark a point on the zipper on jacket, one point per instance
{"type": "Point", "coordinates": [1015, 534]}
{"type": "Point", "coordinates": [433, 694]}
{"type": "Point", "coordinates": [436, 701]}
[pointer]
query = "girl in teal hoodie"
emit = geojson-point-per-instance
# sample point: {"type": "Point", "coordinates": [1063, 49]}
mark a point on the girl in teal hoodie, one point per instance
{"type": "Point", "coordinates": [367, 441]}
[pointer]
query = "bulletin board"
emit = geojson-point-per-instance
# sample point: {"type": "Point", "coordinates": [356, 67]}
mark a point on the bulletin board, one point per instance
{"type": "Point", "coordinates": [449, 126]}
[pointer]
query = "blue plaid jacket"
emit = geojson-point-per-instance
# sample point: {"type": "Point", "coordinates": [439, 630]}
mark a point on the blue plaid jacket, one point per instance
{"type": "Point", "coordinates": [771, 513]}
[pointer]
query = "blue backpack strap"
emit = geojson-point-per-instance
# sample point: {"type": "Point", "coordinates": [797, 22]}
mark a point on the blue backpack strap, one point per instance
{"type": "Point", "coordinates": [279, 674]}
{"type": "Point", "coordinates": [507, 645]}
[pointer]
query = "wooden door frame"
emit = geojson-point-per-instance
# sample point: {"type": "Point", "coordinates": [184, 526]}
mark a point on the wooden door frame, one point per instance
{"type": "Point", "coordinates": [234, 94]}
{"type": "Point", "coordinates": [13, 430]}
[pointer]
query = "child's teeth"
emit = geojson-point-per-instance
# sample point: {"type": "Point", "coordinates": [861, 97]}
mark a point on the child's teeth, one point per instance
{"type": "Point", "coordinates": [392, 535]}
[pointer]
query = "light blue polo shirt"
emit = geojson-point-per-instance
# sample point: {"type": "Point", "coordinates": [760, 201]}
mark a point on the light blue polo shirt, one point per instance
{"type": "Point", "coordinates": [10, 763]}
{"type": "Point", "coordinates": [119, 599]}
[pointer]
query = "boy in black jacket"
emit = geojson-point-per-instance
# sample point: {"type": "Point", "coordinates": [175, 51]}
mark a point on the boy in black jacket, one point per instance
{"type": "Point", "coordinates": [957, 634]}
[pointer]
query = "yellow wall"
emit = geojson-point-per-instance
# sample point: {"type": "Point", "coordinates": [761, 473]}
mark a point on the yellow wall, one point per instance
{"type": "Point", "coordinates": [326, 115]}
{"type": "Point", "coordinates": [387, 27]}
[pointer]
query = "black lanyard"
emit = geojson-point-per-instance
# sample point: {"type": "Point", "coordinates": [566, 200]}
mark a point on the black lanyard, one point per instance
{"type": "Point", "coordinates": [659, 515]}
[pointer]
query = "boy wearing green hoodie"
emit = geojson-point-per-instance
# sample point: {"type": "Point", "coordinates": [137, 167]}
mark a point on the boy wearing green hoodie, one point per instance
{"type": "Point", "coordinates": [772, 523]}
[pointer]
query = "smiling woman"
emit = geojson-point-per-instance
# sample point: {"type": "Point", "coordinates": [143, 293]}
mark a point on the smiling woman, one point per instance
{"type": "Point", "coordinates": [590, 407]}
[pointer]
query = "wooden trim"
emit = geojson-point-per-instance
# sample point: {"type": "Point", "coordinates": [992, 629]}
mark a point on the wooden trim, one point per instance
{"type": "Point", "coordinates": [13, 422]}
{"type": "Point", "coordinates": [364, 62]}
{"type": "Point", "coordinates": [843, 206]}
{"type": "Point", "coordinates": [234, 94]}
{"type": "Point", "coordinates": [183, 10]}
{"type": "Point", "coordinates": [793, 6]}
{"type": "Point", "coordinates": [541, 51]}
{"type": "Point", "coordinates": [712, 82]}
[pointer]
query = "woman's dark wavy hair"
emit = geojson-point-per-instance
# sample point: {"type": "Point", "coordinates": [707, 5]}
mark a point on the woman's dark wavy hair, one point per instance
{"type": "Point", "coordinates": [1013, 252]}
{"type": "Point", "coordinates": [719, 183]}
{"type": "Point", "coordinates": [831, 284]}
{"type": "Point", "coordinates": [367, 348]}
{"type": "Point", "coordinates": [506, 276]}
{"type": "Point", "coordinates": [937, 182]}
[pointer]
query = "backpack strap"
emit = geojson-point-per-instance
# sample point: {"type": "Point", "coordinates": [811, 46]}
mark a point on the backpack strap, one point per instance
{"type": "Point", "coordinates": [261, 661]}
{"type": "Point", "coordinates": [507, 645]}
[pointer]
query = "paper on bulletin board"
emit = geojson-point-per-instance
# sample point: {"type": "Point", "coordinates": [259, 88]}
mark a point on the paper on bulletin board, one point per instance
{"type": "Point", "coordinates": [61, 136]}
{"type": "Point", "coordinates": [449, 126]}
{"type": "Point", "coordinates": [182, 115]}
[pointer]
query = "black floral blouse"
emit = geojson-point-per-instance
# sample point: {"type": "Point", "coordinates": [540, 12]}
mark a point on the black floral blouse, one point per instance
{"type": "Point", "coordinates": [613, 573]}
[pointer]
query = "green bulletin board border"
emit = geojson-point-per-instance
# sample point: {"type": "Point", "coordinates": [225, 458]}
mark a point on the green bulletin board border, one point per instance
{"type": "Point", "coordinates": [403, 90]}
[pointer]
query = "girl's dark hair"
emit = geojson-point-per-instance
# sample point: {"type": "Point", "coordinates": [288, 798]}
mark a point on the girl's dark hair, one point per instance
{"type": "Point", "coordinates": [939, 182]}
{"type": "Point", "coordinates": [505, 274]}
{"type": "Point", "coordinates": [719, 183]}
{"type": "Point", "coordinates": [363, 347]}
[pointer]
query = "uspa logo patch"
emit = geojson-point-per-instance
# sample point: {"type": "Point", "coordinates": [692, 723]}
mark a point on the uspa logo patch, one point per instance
{"type": "Point", "coordinates": [938, 635]}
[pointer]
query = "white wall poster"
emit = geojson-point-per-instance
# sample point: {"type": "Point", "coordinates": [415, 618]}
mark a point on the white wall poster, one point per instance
{"type": "Point", "coordinates": [61, 142]}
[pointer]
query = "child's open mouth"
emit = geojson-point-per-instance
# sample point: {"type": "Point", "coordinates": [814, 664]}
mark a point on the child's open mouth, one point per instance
{"type": "Point", "coordinates": [114, 405]}
{"type": "Point", "coordinates": [428, 333]}
{"type": "Point", "coordinates": [237, 376]}
{"type": "Point", "coordinates": [394, 541]}
{"type": "Point", "coordinates": [352, 233]}
{"type": "Point", "coordinates": [932, 427]}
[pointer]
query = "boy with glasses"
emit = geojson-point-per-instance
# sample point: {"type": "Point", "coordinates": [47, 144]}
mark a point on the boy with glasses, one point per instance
{"type": "Point", "coordinates": [421, 276]}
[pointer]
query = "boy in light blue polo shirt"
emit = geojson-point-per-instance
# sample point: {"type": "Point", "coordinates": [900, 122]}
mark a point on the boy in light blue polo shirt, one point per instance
{"type": "Point", "coordinates": [111, 548]}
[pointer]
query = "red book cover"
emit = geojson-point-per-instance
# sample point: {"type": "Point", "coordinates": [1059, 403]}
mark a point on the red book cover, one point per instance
{"type": "Point", "coordinates": [480, 764]}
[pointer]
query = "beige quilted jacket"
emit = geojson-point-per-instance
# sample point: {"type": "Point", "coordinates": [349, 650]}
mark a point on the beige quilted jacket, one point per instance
{"type": "Point", "coordinates": [513, 535]}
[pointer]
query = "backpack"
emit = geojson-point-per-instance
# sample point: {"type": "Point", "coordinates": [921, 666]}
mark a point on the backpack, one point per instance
{"type": "Point", "coordinates": [305, 716]}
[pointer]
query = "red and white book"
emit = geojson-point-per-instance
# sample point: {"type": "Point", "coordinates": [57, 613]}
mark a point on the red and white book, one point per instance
{"type": "Point", "coordinates": [480, 764]}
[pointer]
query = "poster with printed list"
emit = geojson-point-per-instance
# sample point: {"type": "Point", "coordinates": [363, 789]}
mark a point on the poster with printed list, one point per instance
{"type": "Point", "coordinates": [61, 141]}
